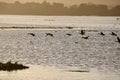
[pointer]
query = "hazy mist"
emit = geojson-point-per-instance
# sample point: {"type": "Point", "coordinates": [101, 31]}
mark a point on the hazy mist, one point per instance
{"type": "Point", "coordinates": [71, 2]}
{"type": "Point", "coordinates": [45, 8]}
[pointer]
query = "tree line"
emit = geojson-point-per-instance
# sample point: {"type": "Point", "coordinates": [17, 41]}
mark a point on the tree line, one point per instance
{"type": "Point", "coordinates": [45, 8]}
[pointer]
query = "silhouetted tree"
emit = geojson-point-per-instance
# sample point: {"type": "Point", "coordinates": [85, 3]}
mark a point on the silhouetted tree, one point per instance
{"type": "Point", "coordinates": [115, 11]}
{"type": "Point", "coordinates": [45, 8]}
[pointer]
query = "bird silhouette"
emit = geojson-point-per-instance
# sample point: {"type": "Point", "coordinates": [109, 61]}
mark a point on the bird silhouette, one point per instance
{"type": "Point", "coordinates": [82, 32]}
{"type": "Point", "coordinates": [112, 33]}
{"type": "Point", "coordinates": [69, 34]}
{"type": "Point", "coordinates": [49, 34]}
{"type": "Point", "coordinates": [32, 34]}
{"type": "Point", "coordinates": [118, 39]}
{"type": "Point", "coordinates": [87, 37]}
{"type": "Point", "coordinates": [101, 33]}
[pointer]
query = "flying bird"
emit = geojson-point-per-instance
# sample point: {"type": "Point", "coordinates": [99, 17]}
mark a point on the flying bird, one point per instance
{"type": "Point", "coordinates": [101, 33]}
{"type": "Point", "coordinates": [113, 34]}
{"type": "Point", "coordinates": [32, 34]}
{"type": "Point", "coordinates": [118, 39]}
{"type": "Point", "coordinates": [87, 37]}
{"type": "Point", "coordinates": [69, 34]}
{"type": "Point", "coordinates": [49, 34]}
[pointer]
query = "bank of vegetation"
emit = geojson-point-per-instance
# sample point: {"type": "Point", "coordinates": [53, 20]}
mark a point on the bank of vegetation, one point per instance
{"type": "Point", "coordinates": [58, 9]}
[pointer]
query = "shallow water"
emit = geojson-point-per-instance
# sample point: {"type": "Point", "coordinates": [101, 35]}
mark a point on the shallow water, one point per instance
{"type": "Point", "coordinates": [94, 22]}
{"type": "Point", "coordinates": [53, 73]}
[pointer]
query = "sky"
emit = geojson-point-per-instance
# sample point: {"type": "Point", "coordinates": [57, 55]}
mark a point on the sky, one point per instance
{"type": "Point", "coordinates": [71, 2]}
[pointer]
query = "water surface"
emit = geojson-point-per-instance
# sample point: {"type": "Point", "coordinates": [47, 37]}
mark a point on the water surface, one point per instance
{"type": "Point", "coordinates": [93, 22]}
{"type": "Point", "coordinates": [53, 73]}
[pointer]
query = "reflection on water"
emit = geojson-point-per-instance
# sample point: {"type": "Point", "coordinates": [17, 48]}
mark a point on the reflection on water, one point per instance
{"type": "Point", "coordinates": [101, 52]}
{"type": "Point", "coordinates": [53, 73]}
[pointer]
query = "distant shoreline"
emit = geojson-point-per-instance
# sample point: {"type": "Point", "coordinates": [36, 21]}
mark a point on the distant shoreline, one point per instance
{"type": "Point", "coordinates": [58, 15]}
{"type": "Point", "coordinates": [57, 28]}
{"type": "Point", "coordinates": [39, 28]}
